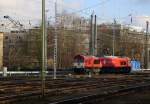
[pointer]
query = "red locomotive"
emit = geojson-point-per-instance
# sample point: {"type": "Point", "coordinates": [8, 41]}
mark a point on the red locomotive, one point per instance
{"type": "Point", "coordinates": [108, 64]}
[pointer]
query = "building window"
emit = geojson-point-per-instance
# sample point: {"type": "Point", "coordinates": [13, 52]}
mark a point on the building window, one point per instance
{"type": "Point", "coordinates": [6, 37]}
{"type": "Point", "coordinates": [11, 46]}
{"type": "Point", "coordinates": [10, 41]}
{"type": "Point", "coordinates": [18, 37]}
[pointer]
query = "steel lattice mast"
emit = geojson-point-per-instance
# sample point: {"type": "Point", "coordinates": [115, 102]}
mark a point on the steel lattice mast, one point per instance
{"type": "Point", "coordinates": [55, 42]}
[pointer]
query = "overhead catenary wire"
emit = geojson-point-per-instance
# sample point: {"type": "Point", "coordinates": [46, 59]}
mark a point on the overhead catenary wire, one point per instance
{"type": "Point", "coordinates": [91, 7]}
{"type": "Point", "coordinates": [87, 8]}
{"type": "Point", "coordinates": [83, 9]}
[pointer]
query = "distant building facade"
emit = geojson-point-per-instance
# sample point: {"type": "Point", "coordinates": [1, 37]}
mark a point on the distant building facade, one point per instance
{"type": "Point", "coordinates": [14, 43]}
{"type": "Point", "coordinates": [1, 49]}
{"type": "Point", "coordinates": [22, 49]}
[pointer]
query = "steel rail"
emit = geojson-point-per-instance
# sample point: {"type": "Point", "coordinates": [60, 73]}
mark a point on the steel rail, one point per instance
{"type": "Point", "coordinates": [86, 98]}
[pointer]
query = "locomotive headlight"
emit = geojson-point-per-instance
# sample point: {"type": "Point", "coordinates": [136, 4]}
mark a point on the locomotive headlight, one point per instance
{"type": "Point", "coordinates": [74, 64]}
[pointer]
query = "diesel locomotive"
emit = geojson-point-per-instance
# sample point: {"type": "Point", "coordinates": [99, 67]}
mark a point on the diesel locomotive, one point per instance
{"type": "Point", "coordinates": [107, 64]}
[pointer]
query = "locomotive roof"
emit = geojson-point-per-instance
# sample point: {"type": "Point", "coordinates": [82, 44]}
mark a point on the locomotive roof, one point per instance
{"type": "Point", "coordinates": [110, 56]}
{"type": "Point", "coordinates": [114, 57]}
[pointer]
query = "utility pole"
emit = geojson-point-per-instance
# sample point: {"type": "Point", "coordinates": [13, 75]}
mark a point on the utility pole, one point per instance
{"type": "Point", "coordinates": [43, 49]}
{"type": "Point", "coordinates": [146, 46]}
{"type": "Point", "coordinates": [114, 33]}
{"type": "Point", "coordinates": [91, 36]}
{"type": "Point", "coordinates": [95, 36]}
{"type": "Point", "coordinates": [55, 42]}
{"type": "Point", "coordinates": [46, 35]}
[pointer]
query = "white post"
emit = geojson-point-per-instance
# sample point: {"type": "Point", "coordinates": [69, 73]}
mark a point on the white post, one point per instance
{"type": "Point", "coordinates": [4, 71]}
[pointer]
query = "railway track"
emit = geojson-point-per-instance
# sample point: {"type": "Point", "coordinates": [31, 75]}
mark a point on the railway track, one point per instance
{"type": "Point", "coordinates": [64, 88]}
{"type": "Point", "coordinates": [56, 84]}
{"type": "Point", "coordinates": [101, 96]}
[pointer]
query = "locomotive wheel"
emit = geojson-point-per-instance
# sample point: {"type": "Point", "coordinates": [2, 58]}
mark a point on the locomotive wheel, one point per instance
{"type": "Point", "coordinates": [79, 70]}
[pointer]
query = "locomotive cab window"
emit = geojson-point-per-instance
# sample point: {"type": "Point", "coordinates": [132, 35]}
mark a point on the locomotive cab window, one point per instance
{"type": "Point", "coordinates": [79, 60]}
{"type": "Point", "coordinates": [96, 61]}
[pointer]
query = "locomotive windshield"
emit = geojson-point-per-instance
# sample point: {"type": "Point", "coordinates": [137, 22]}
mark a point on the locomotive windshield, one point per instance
{"type": "Point", "coordinates": [79, 59]}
